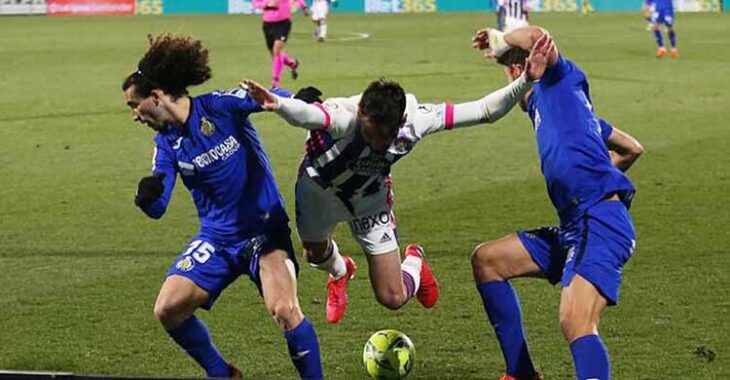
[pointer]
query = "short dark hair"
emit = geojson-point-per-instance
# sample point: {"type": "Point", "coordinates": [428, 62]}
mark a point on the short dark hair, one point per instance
{"type": "Point", "coordinates": [172, 63]}
{"type": "Point", "coordinates": [513, 56]}
{"type": "Point", "coordinates": [384, 103]}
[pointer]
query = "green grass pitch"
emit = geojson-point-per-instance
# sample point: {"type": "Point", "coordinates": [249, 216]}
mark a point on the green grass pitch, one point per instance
{"type": "Point", "coordinates": [80, 265]}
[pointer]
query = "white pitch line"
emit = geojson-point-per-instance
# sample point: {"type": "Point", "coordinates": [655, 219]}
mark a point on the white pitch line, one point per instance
{"type": "Point", "coordinates": [353, 37]}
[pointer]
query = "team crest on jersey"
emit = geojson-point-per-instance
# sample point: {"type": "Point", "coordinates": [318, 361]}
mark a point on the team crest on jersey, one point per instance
{"type": "Point", "coordinates": [331, 106]}
{"type": "Point", "coordinates": [207, 128]}
{"type": "Point", "coordinates": [185, 264]}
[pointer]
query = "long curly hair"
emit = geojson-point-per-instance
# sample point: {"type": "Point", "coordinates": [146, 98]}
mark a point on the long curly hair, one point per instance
{"type": "Point", "coordinates": [172, 64]}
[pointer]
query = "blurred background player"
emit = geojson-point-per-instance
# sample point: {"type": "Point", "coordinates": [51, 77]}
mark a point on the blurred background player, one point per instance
{"type": "Point", "coordinates": [277, 25]}
{"type": "Point", "coordinates": [211, 143]}
{"type": "Point", "coordinates": [345, 177]}
{"type": "Point", "coordinates": [583, 160]}
{"type": "Point", "coordinates": [516, 14]}
{"type": "Point", "coordinates": [320, 8]}
{"type": "Point", "coordinates": [648, 9]}
{"type": "Point", "coordinates": [664, 14]}
{"type": "Point", "coordinates": [501, 11]}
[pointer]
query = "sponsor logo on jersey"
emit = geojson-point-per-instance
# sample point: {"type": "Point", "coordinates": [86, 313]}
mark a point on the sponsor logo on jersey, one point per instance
{"type": "Point", "coordinates": [207, 128]}
{"type": "Point", "coordinates": [371, 165]}
{"type": "Point", "coordinates": [186, 264]}
{"type": "Point", "coordinates": [221, 151]}
{"type": "Point", "coordinates": [370, 222]}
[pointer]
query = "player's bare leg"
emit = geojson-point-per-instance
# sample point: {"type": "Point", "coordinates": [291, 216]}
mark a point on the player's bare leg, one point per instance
{"type": "Point", "coordinates": [580, 311]}
{"type": "Point", "coordinates": [177, 300]}
{"type": "Point", "coordinates": [394, 283]}
{"type": "Point", "coordinates": [326, 256]}
{"type": "Point", "coordinates": [176, 303]}
{"type": "Point", "coordinates": [493, 263]}
{"type": "Point", "coordinates": [279, 288]}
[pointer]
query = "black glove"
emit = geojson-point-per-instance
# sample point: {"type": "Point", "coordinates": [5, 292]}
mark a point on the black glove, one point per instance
{"type": "Point", "coordinates": [309, 94]}
{"type": "Point", "coordinates": [149, 189]}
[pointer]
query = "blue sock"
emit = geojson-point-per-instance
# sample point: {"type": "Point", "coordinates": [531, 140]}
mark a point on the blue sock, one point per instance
{"type": "Point", "coordinates": [304, 350]}
{"type": "Point", "coordinates": [658, 37]}
{"type": "Point", "coordinates": [503, 309]}
{"type": "Point", "coordinates": [193, 336]}
{"type": "Point", "coordinates": [672, 38]}
{"type": "Point", "coordinates": [591, 358]}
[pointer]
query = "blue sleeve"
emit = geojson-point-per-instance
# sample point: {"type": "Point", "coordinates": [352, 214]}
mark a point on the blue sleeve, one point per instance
{"type": "Point", "coordinates": [606, 129]}
{"type": "Point", "coordinates": [238, 101]}
{"type": "Point", "coordinates": [163, 162]}
{"type": "Point", "coordinates": [556, 72]}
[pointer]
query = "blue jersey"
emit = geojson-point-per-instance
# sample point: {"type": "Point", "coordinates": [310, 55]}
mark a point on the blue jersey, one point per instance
{"type": "Point", "coordinates": [571, 143]}
{"type": "Point", "coordinates": [221, 160]}
{"type": "Point", "coordinates": [663, 5]}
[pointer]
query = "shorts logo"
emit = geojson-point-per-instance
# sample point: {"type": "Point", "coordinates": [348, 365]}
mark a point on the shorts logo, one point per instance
{"type": "Point", "coordinates": [371, 222]}
{"type": "Point", "coordinates": [386, 238]}
{"type": "Point", "coordinates": [186, 264]}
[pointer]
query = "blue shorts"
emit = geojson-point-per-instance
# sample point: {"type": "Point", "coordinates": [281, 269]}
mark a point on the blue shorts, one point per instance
{"type": "Point", "coordinates": [213, 265]}
{"type": "Point", "coordinates": [663, 16]}
{"type": "Point", "coordinates": [596, 246]}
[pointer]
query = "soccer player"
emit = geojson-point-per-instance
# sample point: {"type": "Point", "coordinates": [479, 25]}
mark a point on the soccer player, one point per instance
{"type": "Point", "coordinates": [648, 9]}
{"type": "Point", "coordinates": [345, 177]}
{"type": "Point", "coordinates": [663, 13]}
{"type": "Point", "coordinates": [516, 14]}
{"type": "Point", "coordinates": [583, 160]}
{"type": "Point", "coordinates": [320, 8]}
{"type": "Point", "coordinates": [277, 25]}
{"type": "Point", "coordinates": [210, 143]}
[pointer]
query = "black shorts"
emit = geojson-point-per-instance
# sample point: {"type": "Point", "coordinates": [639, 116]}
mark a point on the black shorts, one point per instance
{"type": "Point", "coordinates": [276, 31]}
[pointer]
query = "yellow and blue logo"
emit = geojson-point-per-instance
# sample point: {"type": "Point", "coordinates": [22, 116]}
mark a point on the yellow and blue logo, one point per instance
{"type": "Point", "coordinates": [185, 264]}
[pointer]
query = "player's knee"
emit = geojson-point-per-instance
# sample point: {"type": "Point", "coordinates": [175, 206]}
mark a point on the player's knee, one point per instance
{"type": "Point", "coordinates": [485, 263]}
{"type": "Point", "coordinates": [392, 299]}
{"type": "Point", "coordinates": [284, 312]}
{"type": "Point", "coordinates": [168, 312]}
{"type": "Point", "coordinates": [575, 325]}
{"type": "Point", "coordinates": [314, 252]}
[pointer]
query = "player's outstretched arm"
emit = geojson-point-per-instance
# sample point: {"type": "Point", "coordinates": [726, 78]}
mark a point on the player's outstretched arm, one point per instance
{"type": "Point", "coordinates": [623, 148]}
{"type": "Point", "coordinates": [495, 43]}
{"type": "Point", "coordinates": [296, 112]}
{"type": "Point", "coordinates": [498, 103]}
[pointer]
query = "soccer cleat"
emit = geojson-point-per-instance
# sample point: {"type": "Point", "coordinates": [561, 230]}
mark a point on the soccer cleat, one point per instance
{"type": "Point", "coordinates": [428, 291]}
{"type": "Point", "coordinates": [674, 53]}
{"type": "Point", "coordinates": [661, 52]}
{"type": "Point", "coordinates": [235, 372]}
{"type": "Point", "coordinates": [337, 292]}
{"type": "Point", "coordinates": [294, 72]}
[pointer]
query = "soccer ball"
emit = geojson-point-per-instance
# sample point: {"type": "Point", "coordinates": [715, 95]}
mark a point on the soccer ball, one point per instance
{"type": "Point", "coordinates": [388, 354]}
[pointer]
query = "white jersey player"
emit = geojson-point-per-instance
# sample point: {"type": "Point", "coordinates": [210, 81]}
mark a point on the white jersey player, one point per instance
{"type": "Point", "coordinates": [320, 8]}
{"type": "Point", "coordinates": [515, 14]}
{"type": "Point", "coordinates": [345, 177]}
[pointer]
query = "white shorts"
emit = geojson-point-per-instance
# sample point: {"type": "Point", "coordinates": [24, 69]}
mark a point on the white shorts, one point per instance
{"type": "Point", "coordinates": [512, 23]}
{"type": "Point", "coordinates": [320, 9]}
{"type": "Point", "coordinates": [319, 211]}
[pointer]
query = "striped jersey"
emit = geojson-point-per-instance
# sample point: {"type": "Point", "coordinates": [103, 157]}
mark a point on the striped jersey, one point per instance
{"type": "Point", "coordinates": [516, 9]}
{"type": "Point", "coordinates": [338, 156]}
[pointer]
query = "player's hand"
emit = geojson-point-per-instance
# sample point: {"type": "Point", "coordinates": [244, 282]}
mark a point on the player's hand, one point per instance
{"type": "Point", "coordinates": [261, 95]}
{"type": "Point", "coordinates": [491, 40]}
{"type": "Point", "coordinates": [537, 62]}
{"type": "Point", "coordinates": [149, 190]}
{"type": "Point", "coordinates": [309, 94]}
